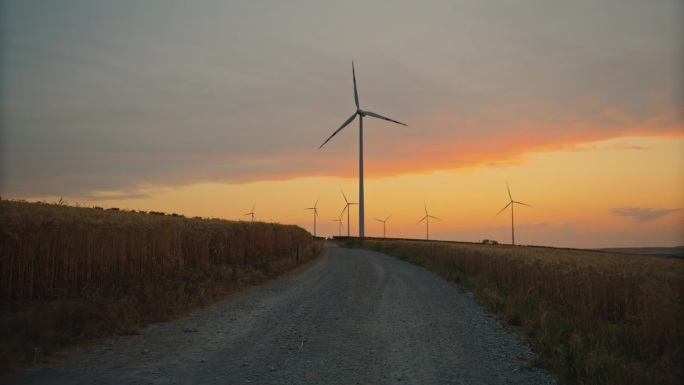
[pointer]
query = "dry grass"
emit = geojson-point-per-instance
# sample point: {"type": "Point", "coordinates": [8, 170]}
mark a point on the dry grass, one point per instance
{"type": "Point", "coordinates": [70, 274]}
{"type": "Point", "coordinates": [593, 318]}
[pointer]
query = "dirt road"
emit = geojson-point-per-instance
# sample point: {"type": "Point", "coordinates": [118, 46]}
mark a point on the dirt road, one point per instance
{"type": "Point", "coordinates": [351, 317]}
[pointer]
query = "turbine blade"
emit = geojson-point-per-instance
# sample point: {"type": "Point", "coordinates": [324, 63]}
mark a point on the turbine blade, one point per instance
{"type": "Point", "coordinates": [425, 205]}
{"type": "Point", "coordinates": [373, 114]}
{"type": "Point", "coordinates": [338, 130]}
{"type": "Point", "coordinates": [316, 204]}
{"type": "Point", "coordinates": [425, 217]}
{"type": "Point", "coordinates": [509, 192]}
{"type": "Point", "coordinates": [505, 207]}
{"type": "Point", "coordinates": [377, 219]}
{"type": "Point", "coordinates": [434, 217]}
{"type": "Point", "coordinates": [388, 217]}
{"type": "Point", "coordinates": [345, 197]}
{"type": "Point", "coordinates": [343, 210]}
{"type": "Point", "coordinates": [524, 204]}
{"type": "Point", "coordinates": [356, 94]}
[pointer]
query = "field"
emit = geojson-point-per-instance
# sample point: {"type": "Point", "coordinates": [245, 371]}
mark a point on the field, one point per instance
{"type": "Point", "coordinates": [593, 317]}
{"type": "Point", "coordinates": [70, 274]}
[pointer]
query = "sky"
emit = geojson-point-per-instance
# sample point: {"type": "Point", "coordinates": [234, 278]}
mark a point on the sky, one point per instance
{"type": "Point", "coordinates": [210, 108]}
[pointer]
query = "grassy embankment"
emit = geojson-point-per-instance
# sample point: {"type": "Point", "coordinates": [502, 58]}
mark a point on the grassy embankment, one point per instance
{"type": "Point", "coordinates": [71, 274]}
{"type": "Point", "coordinates": [592, 317]}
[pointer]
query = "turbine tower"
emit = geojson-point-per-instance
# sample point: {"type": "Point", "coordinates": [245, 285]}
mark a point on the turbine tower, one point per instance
{"type": "Point", "coordinates": [361, 113]}
{"type": "Point", "coordinates": [383, 224]}
{"type": "Point", "coordinates": [251, 212]}
{"type": "Point", "coordinates": [511, 203]}
{"type": "Point", "coordinates": [315, 211]}
{"type": "Point", "coordinates": [346, 207]}
{"type": "Point", "coordinates": [426, 218]}
{"type": "Point", "coordinates": [340, 226]}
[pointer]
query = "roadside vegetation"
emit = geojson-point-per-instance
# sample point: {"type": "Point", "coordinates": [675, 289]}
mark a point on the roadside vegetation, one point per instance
{"type": "Point", "coordinates": [73, 274]}
{"type": "Point", "coordinates": [592, 317]}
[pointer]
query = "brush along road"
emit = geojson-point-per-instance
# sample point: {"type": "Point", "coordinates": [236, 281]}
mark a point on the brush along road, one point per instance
{"type": "Point", "coordinates": [350, 317]}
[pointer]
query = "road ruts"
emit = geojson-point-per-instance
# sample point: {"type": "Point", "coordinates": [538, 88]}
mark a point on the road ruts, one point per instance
{"type": "Point", "coordinates": [351, 317]}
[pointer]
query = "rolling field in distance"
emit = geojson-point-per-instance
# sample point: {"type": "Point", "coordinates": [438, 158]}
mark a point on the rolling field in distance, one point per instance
{"type": "Point", "coordinates": [70, 274]}
{"type": "Point", "coordinates": [593, 317]}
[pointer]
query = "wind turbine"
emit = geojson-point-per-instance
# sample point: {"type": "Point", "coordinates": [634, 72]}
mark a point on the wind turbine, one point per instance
{"type": "Point", "coordinates": [361, 113]}
{"type": "Point", "coordinates": [426, 218]}
{"type": "Point", "coordinates": [340, 227]}
{"type": "Point", "coordinates": [315, 210]}
{"type": "Point", "coordinates": [511, 203]}
{"type": "Point", "coordinates": [383, 224]}
{"type": "Point", "coordinates": [251, 212]}
{"type": "Point", "coordinates": [346, 207]}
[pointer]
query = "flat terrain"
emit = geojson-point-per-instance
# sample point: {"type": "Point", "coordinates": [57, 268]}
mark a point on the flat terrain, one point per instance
{"type": "Point", "coordinates": [351, 317]}
{"type": "Point", "coordinates": [664, 251]}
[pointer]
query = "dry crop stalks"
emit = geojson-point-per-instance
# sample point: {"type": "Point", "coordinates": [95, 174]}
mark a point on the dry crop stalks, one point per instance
{"type": "Point", "coordinates": [71, 273]}
{"type": "Point", "coordinates": [593, 317]}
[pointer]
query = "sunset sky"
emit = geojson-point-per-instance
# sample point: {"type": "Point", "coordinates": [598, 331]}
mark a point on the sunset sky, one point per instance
{"type": "Point", "coordinates": [207, 108]}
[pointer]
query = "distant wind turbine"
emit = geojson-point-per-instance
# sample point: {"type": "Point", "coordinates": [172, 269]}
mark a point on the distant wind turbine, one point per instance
{"type": "Point", "coordinates": [251, 212]}
{"type": "Point", "coordinates": [511, 203]}
{"type": "Point", "coordinates": [361, 113]}
{"type": "Point", "coordinates": [384, 222]}
{"type": "Point", "coordinates": [315, 212]}
{"type": "Point", "coordinates": [426, 218]}
{"type": "Point", "coordinates": [340, 226]}
{"type": "Point", "coordinates": [346, 207]}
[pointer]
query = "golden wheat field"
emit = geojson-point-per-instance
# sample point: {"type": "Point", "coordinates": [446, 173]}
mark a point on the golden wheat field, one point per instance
{"type": "Point", "coordinates": [593, 317]}
{"type": "Point", "coordinates": [74, 273]}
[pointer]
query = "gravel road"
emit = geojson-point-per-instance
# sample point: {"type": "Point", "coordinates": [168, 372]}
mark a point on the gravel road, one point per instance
{"type": "Point", "coordinates": [350, 317]}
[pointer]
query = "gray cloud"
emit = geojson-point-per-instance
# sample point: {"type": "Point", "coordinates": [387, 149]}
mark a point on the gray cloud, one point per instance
{"type": "Point", "coordinates": [114, 95]}
{"type": "Point", "coordinates": [641, 215]}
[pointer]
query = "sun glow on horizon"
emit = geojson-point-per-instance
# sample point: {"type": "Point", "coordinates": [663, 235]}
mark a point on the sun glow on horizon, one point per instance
{"type": "Point", "coordinates": [574, 194]}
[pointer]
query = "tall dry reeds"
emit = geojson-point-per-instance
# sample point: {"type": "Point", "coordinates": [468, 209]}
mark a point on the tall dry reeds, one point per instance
{"type": "Point", "coordinates": [69, 273]}
{"type": "Point", "coordinates": [593, 317]}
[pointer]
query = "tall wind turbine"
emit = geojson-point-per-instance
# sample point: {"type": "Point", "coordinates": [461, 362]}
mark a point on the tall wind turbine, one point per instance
{"type": "Point", "coordinates": [340, 226]}
{"type": "Point", "coordinates": [346, 207]}
{"type": "Point", "coordinates": [511, 203]}
{"type": "Point", "coordinates": [384, 222]}
{"type": "Point", "coordinates": [251, 212]}
{"type": "Point", "coordinates": [315, 211]}
{"type": "Point", "coordinates": [361, 113]}
{"type": "Point", "coordinates": [426, 218]}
